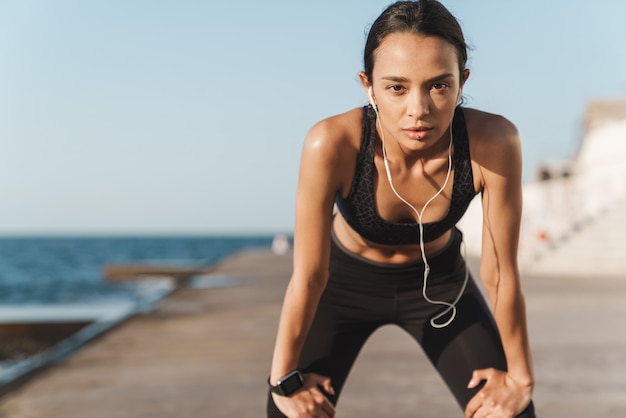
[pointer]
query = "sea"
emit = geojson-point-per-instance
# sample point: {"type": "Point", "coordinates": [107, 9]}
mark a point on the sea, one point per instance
{"type": "Point", "coordinates": [68, 270]}
{"type": "Point", "coordinates": [48, 279]}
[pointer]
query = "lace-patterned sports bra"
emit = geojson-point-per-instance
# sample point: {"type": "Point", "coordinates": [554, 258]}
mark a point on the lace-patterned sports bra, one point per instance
{"type": "Point", "coordinates": [359, 208]}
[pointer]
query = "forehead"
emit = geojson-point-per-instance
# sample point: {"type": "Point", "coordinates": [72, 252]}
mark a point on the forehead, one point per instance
{"type": "Point", "coordinates": [407, 52]}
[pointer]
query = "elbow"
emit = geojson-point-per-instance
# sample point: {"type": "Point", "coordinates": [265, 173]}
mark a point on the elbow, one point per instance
{"type": "Point", "coordinates": [490, 279]}
{"type": "Point", "coordinates": [312, 284]}
{"type": "Point", "coordinates": [501, 286]}
{"type": "Point", "coordinates": [495, 274]}
{"type": "Point", "coordinates": [317, 284]}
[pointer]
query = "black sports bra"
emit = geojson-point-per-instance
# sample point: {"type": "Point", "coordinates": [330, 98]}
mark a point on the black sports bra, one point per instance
{"type": "Point", "coordinates": [359, 208]}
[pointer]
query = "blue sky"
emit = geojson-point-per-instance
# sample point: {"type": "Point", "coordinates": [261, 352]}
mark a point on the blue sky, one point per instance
{"type": "Point", "coordinates": [187, 117]}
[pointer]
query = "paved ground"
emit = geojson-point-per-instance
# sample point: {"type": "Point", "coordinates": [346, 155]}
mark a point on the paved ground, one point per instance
{"type": "Point", "coordinates": [206, 353]}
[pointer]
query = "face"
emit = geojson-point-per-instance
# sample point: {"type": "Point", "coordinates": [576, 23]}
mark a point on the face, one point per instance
{"type": "Point", "coordinates": [416, 87]}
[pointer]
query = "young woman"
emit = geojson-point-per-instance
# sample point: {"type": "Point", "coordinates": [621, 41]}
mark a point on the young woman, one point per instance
{"type": "Point", "coordinates": [402, 172]}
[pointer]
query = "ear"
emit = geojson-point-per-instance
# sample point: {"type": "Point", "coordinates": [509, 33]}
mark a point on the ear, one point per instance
{"type": "Point", "coordinates": [365, 81]}
{"type": "Point", "coordinates": [465, 76]}
{"type": "Point", "coordinates": [367, 86]}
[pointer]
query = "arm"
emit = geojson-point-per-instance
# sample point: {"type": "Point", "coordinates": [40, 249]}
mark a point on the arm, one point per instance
{"type": "Point", "coordinates": [500, 169]}
{"type": "Point", "coordinates": [317, 187]}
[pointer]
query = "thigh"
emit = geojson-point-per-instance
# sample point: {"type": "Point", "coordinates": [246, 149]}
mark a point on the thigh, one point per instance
{"type": "Point", "coordinates": [344, 320]}
{"type": "Point", "coordinates": [340, 328]}
{"type": "Point", "coordinates": [470, 342]}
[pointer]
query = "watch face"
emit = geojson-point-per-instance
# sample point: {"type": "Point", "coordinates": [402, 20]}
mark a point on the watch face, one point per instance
{"type": "Point", "coordinates": [291, 383]}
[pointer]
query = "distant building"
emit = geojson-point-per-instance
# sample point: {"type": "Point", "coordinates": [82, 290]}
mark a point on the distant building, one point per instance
{"type": "Point", "coordinates": [601, 112]}
{"type": "Point", "coordinates": [567, 194]}
{"type": "Point", "coordinates": [599, 115]}
{"type": "Point", "coordinates": [554, 170]}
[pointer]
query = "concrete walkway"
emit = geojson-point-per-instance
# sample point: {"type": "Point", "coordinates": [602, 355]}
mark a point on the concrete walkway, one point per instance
{"type": "Point", "coordinates": [206, 353]}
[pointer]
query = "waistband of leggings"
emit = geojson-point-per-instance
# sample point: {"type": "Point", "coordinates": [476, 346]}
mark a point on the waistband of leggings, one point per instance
{"type": "Point", "coordinates": [445, 259]}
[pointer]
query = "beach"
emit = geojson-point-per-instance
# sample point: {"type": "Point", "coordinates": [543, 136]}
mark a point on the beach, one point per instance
{"type": "Point", "coordinates": [206, 352]}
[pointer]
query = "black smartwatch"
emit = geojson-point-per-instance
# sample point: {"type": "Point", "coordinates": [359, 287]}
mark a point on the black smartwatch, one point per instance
{"type": "Point", "coordinates": [288, 385]}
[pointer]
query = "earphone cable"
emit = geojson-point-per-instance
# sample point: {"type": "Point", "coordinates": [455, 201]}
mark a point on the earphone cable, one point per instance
{"type": "Point", "coordinates": [450, 306]}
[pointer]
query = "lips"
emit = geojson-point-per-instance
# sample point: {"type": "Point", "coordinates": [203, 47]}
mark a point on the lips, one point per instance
{"type": "Point", "coordinates": [417, 132]}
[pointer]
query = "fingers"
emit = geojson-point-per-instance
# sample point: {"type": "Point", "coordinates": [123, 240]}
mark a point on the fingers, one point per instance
{"type": "Point", "coordinates": [495, 397]}
{"type": "Point", "coordinates": [315, 403]}
{"type": "Point", "coordinates": [327, 386]}
{"type": "Point", "coordinates": [328, 408]}
{"type": "Point", "coordinates": [323, 382]}
{"type": "Point", "coordinates": [480, 407]}
{"type": "Point", "coordinates": [307, 403]}
{"type": "Point", "coordinates": [477, 401]}
{"type": "Point", "coordinates": [478, 376]}
{"type": "Point", "coordinates": [321, 405]}
{"type": "Point", "coordinates": [473, 405]}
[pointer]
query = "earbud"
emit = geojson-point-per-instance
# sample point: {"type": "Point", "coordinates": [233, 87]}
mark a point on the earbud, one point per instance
{"type": "Point", "coordinates": [370, 94]}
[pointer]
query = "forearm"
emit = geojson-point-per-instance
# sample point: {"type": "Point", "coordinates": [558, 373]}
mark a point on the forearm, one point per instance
{"type": "Point", "coordinates": [510, 315]}
{"type": "Point", "coordinates": [299, 306]}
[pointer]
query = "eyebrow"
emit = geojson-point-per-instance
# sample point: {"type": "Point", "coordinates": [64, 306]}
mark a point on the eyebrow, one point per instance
{"type": "Point", "coordinates": [399, 79]}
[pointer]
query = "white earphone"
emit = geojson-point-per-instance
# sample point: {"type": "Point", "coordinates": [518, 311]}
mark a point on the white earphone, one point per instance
{"type": "Point", "coordinates": [450, 306]}
{"type": "Point", "coordinates": [370, 95]}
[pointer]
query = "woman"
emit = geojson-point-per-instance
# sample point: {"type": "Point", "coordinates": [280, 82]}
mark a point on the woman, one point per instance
{"type": "Point", "coordinates": [402, 172]}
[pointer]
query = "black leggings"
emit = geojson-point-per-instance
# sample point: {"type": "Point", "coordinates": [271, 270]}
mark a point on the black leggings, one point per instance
{"type": "Point", "coordinates": [362, 295]}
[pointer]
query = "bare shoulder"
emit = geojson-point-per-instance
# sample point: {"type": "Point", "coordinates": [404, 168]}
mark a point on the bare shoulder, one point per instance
{"type": "Point", "coordinates": [490, 129]}
{"type": "Point", "coordinates": [335, 135]}
{"type": "Point", "coordinates": [330, 151]}
{"type": "Point", "coordinates": [494, 143]}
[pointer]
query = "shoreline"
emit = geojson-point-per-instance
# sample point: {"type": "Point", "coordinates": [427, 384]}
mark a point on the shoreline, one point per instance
{"type": "Point", "coordinates": [36, 337]}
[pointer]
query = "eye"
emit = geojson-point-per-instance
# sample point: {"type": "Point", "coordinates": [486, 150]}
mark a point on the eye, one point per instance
{"type": "Point", "coordinates": [396, 88]}
{"type": "Point", "coordinates": [440, 86]}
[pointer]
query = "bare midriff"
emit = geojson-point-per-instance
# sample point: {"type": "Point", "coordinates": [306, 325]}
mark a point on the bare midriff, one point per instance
{"type": "Point", "coordinates": [392, 254]}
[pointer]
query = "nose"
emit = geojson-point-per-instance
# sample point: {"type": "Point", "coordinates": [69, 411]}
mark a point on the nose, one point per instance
{"type": "Point", "coordinates": [418, 104]}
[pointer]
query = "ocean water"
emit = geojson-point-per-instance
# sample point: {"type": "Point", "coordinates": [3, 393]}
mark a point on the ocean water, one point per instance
{"type": "Point", "coordinates": [68, 270]}
{"type": "Point", "coordinates": [61, 278]}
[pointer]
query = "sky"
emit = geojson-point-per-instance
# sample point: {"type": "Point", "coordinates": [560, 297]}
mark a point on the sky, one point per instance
{"type": "Point", "coordinates": [151, 117]}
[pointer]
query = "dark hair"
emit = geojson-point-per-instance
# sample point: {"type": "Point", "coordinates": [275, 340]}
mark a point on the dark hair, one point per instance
{"type": "Point", "coordinates": [425, 17]}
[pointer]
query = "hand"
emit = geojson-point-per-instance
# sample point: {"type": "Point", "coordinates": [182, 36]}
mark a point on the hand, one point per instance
{"type": "Point", "coordinates": [310, 401]}
{"type": "Point", "coordinates": [500, 397]}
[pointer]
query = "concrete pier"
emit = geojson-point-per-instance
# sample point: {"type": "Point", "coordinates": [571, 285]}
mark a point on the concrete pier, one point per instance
{"type": "Point", "coordinates": [205, 352]}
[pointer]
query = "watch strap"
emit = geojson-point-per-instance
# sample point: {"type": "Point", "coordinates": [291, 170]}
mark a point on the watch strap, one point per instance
{"type": "Point", "coordinates": [288, 384]}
